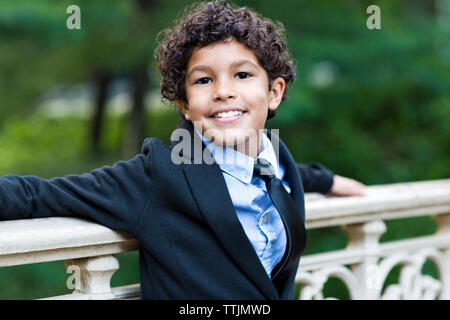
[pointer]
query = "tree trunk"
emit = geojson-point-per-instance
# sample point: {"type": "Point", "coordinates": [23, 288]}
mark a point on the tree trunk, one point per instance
{"type": "Point", "coordinates": [139, 79]}
{"type": "Point", "coordinates": [101, 83]}
{"type": "Point", "coordinates": [136, 126]}
{"type": "Point", "coordinates": [432, 8]}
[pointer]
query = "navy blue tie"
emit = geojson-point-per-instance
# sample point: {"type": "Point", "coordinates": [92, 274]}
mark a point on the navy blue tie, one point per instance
{"type": "Point", "coordinates": [292, 221]}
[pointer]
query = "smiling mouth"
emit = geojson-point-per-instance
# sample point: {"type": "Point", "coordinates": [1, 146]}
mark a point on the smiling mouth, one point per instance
{"type": "Point", "coordinates": [228, 114]}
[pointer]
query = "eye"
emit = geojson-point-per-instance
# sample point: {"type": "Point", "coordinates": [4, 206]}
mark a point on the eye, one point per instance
{"type": "Point", "coordinates": [243, 75]}
{"type": "Point", "coordinates": [203, 80]}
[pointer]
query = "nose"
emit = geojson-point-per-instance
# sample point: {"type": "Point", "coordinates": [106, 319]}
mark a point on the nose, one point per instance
{"type": "Point", "coordinates": [223, 90]}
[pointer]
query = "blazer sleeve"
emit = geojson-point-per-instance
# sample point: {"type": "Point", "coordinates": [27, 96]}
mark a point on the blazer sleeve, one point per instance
{"type": "Point", "coordinates": [315, 177]}
{"type": "Point", "coordinates": [114, 196]}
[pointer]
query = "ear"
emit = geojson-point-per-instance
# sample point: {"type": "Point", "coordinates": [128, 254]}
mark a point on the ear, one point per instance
{"type": "Point", "coordinates": [184, 107]}
{"type": "Point", "coordinates": [276, 93]}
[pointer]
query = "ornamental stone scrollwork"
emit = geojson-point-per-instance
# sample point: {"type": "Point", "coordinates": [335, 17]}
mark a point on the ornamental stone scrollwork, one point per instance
{"type": "Point", "coordinates": [413, 285]}
{"type": "Point", "coordinates": [371, 262]}
{"type": "Point", "coordinates": [314, 282]}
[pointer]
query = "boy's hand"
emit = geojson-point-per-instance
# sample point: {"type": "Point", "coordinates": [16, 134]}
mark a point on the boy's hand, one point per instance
{"type": "Point", "coordinates": [343, 186]}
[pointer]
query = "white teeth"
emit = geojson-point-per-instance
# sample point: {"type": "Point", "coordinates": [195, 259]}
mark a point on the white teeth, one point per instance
{"type": "Point", "coordinates": [227, 114]}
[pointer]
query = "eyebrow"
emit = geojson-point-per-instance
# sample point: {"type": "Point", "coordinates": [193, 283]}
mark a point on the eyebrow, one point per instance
{"type": "Point", "coordinates": [235, 64]}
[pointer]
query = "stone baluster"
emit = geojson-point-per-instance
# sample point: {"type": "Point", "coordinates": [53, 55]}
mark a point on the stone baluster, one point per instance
{"type": "Point", "coordinates": [365, 237]}
{"type": "Point", "coordinates": [443, 222]}
{"type": "Point", "coordinates": [92, 276]}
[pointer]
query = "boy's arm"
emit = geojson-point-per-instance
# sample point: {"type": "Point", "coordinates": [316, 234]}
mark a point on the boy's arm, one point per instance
{"type": "Point", "coordinates": [113, 196]}
{"type": "Point", "coordinates": [317, 178]}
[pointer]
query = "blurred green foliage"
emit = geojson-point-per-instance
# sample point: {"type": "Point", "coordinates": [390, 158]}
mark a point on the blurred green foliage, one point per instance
{"type": "Point", "coordinates": [383, 114]}
{"type": "Point", "coordinates": [373, 105]}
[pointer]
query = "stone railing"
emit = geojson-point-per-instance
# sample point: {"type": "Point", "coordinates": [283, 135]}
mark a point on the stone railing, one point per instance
{"type": "Point", "coordinates": [363, 266]}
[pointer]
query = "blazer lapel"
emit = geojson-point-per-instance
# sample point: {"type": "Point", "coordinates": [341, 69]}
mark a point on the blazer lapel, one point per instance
{"type": "Point", "coordinates": [292, 175]}
{"type": "Point", "coordinates": [293, 178]}
{"type": "Point", "coordinates": [212, 197]}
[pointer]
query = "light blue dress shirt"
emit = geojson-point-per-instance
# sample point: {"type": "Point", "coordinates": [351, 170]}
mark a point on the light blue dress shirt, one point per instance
{"type": "Point", "coordinates": [259, 218]}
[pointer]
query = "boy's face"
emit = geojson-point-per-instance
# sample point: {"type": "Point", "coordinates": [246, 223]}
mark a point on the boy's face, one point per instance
{"type": "Point", "coordinates": [228, 95]}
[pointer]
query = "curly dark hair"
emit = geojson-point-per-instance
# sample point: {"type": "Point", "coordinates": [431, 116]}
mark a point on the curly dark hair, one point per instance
{"type": "Point", "coordinates": [215, 21]}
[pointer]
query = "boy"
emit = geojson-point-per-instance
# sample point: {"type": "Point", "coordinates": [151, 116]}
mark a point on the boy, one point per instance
{"type": "Point", "coordinates": [207, 229]}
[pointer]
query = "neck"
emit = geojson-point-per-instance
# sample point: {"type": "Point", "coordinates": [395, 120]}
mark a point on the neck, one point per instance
{"type": "Point", "coordinates": [251, 146]}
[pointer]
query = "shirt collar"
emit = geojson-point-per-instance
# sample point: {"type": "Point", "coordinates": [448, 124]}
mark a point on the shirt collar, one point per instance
{"type": "Point", "coordinates": [238, 164]}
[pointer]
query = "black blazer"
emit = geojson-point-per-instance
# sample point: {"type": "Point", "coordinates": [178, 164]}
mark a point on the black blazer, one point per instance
{"type": "Point", "coordinates": [192, 245]}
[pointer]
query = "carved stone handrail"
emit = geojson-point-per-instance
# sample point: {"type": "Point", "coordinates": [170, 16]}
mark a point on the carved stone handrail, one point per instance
{"type": "Point", "coordinates": [381, 202]}
{"type": "Point", "coordinates": [59, 238]}
{"type": "Point", "coordinates": [89, 247]}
